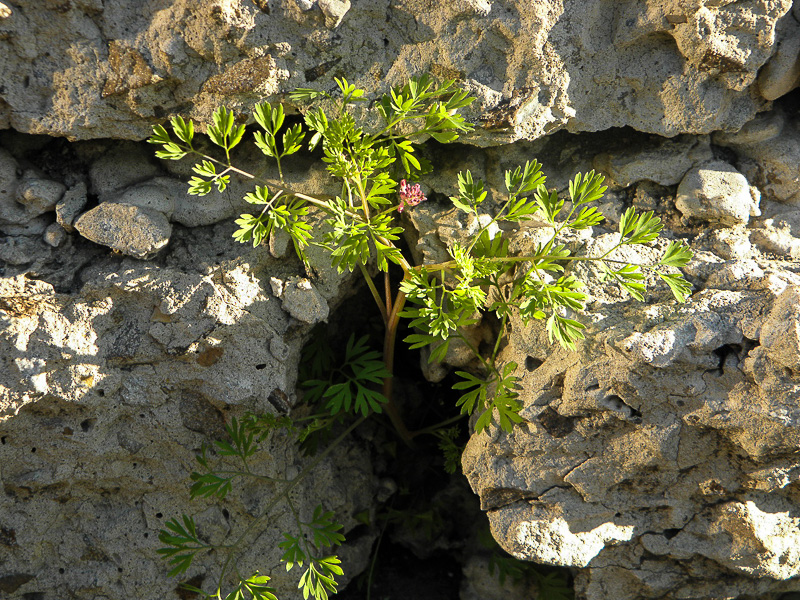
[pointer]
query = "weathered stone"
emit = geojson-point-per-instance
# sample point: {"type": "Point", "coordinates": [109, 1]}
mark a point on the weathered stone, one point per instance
{"type": "Point", "coordinates": [153, 194]}
{"type": "Point", "coordinates": [137, 232]}
{"type": "Point", "coordinates": [120, 168]}
{"type": "Point", "coordinates": [39, 195]}
{"type": "Point", "coordinates": [55, 235]}
{"type": "Point", "coordinates": [661, 67]}
{"type": "Point", "coordinates": [782, 73]}
{"type": "Point", "coordinates": [301, 299]}
{"type": "Point", "coordinates": [717, 192]}
{"type": "Point", "coordinates": [70, 206]}
{"type": "Point", "coordinates": [86, 396]}
{"type": "Point", "coordinates": [664, 162]}
{"type": "Point", "coordinates": [779, 235]}
{"type": "Point", "coordinates": [772, 145]}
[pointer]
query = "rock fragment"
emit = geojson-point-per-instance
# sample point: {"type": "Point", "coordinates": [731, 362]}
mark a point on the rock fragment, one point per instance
{"type": "Point", "coordinates": [301, 299]}
{"type": "Point", "coordinates": [39, 195]}
{"type": "Point", "coordinates": [717, 192]}
{"type": "Point", "coordinates": [334, 11]}
{"type": "Point", "coordinates": [55, 235]}
{"type": "Point", "coordinates": [70, 206]}
{"type": "Point", "coordinates": [137, 232]}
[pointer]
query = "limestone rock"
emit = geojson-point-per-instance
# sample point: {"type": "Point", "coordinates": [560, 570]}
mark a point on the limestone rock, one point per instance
{"type": "Point", "coordinates": [779, 234]}
{"type": "Point", "coordinates": [137, 232]}
{"type": "Point", "coordinates": [717, 192]}
{"type": "Point", "coordinates": [661, 67]}
{"type": "Point", "coordinates": [39, 195]}
{"type": "Point", "coordinates": [55, 235]}
{"type": "Point", "coordinates": [106, 395]}
{"type": "Point", "coordinates": [771, 143]}
{"type": "Point", "coordinates": [782, 73]}
{"type": "Point", "coordinates": [664, 162]}
{"type": "Point", "coordinates": [301, 299]}
{"type": "Point", "coordinates": [70, 206]}
{"type": "Point", "coordinates": [120, 168]}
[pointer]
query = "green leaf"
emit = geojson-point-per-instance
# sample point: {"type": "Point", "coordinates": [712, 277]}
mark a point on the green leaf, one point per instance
{"type": "Point", "coordinates": [565, 331]}
{"type": "Point", "coordinates": [676, 255]}
{"type": "Point", "coordinates": [681, 288]}
{"type": "Point", "coordinates": [549, 202]}
{"type": "Point", "coordinates": [184, 130]}
{"type": "Point", "coordinates": [586, 188]}
{"type": "Point", "coordinates": [639, 229]}
{"type": "Point", "coordinates": [307, 95]}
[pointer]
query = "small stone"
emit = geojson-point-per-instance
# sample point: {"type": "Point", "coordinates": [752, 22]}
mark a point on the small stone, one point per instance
{"type": "Point", "coordinates": [719, 193]}
{"type": "Point", "coordinates": [152, 194]}
{"type": "Point", "coordinates": [39, 195]}
{"type": "Point", "coordinates": [334, 11]}
{"type": "Point", "coordinates": [305, 5]}
{"type": "Point", "coordinates": [55, 235]}
{"type": "Point", "coordinates": [120, 168]}
{"type": "Point", "coordinates": [780, 235]}
{"type": "Point", "coordinates": [70, 206]}
{"type": "Point", "coordinates": [782, 73]}
{"type": "Point", "coordinates": [5, 12]}
{"type": "Point", "coordinates": [137, 232]}
{"type": "Point", "coordinates": [302, 300]}
{"type": "Point", "coordinates": [278, 348]}
{"type": "Point", "coordinates": [20, 250]}
{"type": "Point", "coordinates": [277, 286]}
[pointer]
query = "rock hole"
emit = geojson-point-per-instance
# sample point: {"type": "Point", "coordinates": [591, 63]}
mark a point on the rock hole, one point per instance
{"type": "Point", "coordinates": [101, 393]}
{"type": "Point", "coordinates": [226, 514]}
{"type": "Point", "coordinates": [592, 388]}
{"type": "Point", "coordinates": [722, 353]}
{"type": "Point", "coordinates": [532, 363]}
{"type": "Point", "coordinates": [261, 366]}
{"type": "Point", "coordinates": [147, 535]}
{"type": "Point", "coordinates": [61, 570]}
{"type": "Point", "coordinates": [671, 533]}
{"type": "Point", "coordinates": [87, 425]}
{"type": "Point", "coordinates": [119, 569]}
{"type": "Point", "coordinates": [3, 440]}
{"type": "Point", "coordinates": [33, 449]}
{"type": "Point", "coordinates": [159, 515]}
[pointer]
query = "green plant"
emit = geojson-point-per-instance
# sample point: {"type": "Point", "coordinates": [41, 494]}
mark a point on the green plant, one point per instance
{"type": "Point", "coordinates": [363, 228]}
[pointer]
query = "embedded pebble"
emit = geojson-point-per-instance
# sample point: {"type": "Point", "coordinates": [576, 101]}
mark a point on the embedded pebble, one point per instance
{"type": "Point", "coordinates": [70, 206]}
{"type": "Point", "coordinates": [132, 230]}
{"type": "Point", "coordinates": [39, 195]}
{"type": "Point", "coordinates": [55, 235]}
{"type": "Point", "coordinates": [717, 192]}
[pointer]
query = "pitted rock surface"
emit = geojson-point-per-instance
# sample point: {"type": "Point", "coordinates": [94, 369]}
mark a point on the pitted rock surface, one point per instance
{"type": "Point", "coordinates": [113, 69]}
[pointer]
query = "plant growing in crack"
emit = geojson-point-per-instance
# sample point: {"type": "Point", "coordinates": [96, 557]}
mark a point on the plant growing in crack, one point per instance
{"type": "Point", "coordinates": [376, 171]}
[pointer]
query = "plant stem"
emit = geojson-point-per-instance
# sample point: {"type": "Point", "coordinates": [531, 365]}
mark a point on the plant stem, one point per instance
{"type": "Point", "coordinates": [376, 296]}
{"type": "Point", "coordinates": [388, 359]}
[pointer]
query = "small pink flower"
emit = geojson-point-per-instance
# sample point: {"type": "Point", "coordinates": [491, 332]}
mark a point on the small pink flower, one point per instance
{"type": "Point", "coordinates": [410, 195]}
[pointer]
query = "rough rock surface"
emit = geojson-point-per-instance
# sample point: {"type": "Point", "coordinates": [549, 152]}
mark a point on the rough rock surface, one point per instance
{"type": "Point", "coordinates": [131, 230]}
{"type": "Point", "coordinates": [717, 192]}
{"type": "Point", "coordinates": [113, 69]}
{"type": "Point", "coordinates": [107, 393]}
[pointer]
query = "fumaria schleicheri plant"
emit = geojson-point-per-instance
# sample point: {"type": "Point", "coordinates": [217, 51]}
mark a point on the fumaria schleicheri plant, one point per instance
{"type": "Point", "coordinates": [378, 173]}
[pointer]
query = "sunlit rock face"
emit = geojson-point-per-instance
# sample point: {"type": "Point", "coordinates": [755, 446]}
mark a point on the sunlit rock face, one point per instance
{"type": "Point", "coordinates": [112, 69]}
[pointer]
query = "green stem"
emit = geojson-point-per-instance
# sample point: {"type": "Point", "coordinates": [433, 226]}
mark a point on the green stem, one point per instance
{"type": "Point", "coordinates": [434, 428]}
{"type": "Point", "coordinates": [376, 296]}
{"type": "Point", "coordinates": [391, 407]}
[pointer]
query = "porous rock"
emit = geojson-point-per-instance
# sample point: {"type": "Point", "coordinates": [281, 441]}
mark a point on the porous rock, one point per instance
{"type": "Point", "coordinates": [90, 384]}
{"type": "Point", "coordinates": [769, 150]}
{"type": "Point", "coordinates": [71, 205]}
{"type": "Point", "coordinates": [131, 230]}
{"type": "Point", "coordinates": [671, 431]}
{"type": "Point", "coordinates": [39, 195]}
{"type": "Point", "coordinates": [113, 68]}
{"type": "Point", "coordinates": [717, 192]}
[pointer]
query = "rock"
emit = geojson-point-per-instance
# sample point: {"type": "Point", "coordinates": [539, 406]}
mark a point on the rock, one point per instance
{"type": "Point", "coordinates": [664, 162]}
{"type": "Point", "coordinates": [154, 194]}
{"type": "Point", "coordinates": [10, 211]}
{"type": "Point", "coordinates": [55, 235]}
{"type": "Point", "coordinates": [772, 145]}
{"type": "Point", "coordinates": [85, 384]}
{"type": "Point", "coordinates": [137, 232]}
{"type": "Point", "coordinates": [782, 73]}
{"type": "Point", "coordinates": [19, 250]}
{"type": "Point", "coordinates": [780, 235]}
{"type": "Point", "coordinates": [717, 192]}
{"type": "Point", "coordinates": [120, 168]}
{"type": "Point", "coordinates": [334, 11]}
{"type": "Point", "coordinates": [660, 67]}
{"type": "Point", "coordinates": [300, 298]}
{"type": "Point", "coordinates": [39, 195]}
{"type": "Point", "coordinates": [70, 206]}
{"type": "Point", "coordinates": [680, 451]}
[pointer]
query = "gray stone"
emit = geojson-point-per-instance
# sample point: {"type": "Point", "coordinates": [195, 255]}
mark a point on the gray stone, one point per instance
{"type": "Point", "coordinates": [10, 210]}
{"type": "Point", "coordinates": [772, 146]}
{"type": "Point", "coordinates": [120, 168]}
{"type": "Point", "coordinates": [664, 162]}
{"type": "Point", "coordinates": [20, 250]}
{"type": "Point", "coordinates": [70, 206]}
{"type": "Point", "coordinates": [137, 232]}
{"type": "Point", "coordinates": [660, 67]}
{"type": "Point", "coordinates": [782, 73]}
{"type": "Point", "coordinates": [779, 235]}
{"type": "Point", "coordinates": [39, 195]}
{"type": "Point", "coordinates": [128, 418]}
{"type": "Point", "coordinates": [34, 226]}
{"type": "Point", "coordinates": [717, 192]}
{"type": "Point", "coordinates": [334, 11]}
{"type": "Point", "coordinates": [55, 235]}
{"type": "Point", "coordinates": [301, 299]}
{"type": "Point", "coordinates": [154, 194]}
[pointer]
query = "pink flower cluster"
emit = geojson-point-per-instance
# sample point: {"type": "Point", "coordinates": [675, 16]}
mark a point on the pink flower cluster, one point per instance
{"type": "Point", "coordinates": [410, 195]}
